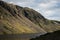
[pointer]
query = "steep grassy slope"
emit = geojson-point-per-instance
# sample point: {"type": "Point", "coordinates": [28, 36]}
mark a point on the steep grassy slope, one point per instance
{"type": "Point", "coordinates": [38, 19]}
{"type": "Point", "coordinates": [13, 21]}
{"type": "Point", "coordinates": [16, 20]}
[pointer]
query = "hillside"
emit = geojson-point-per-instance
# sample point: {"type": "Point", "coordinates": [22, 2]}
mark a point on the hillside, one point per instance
{"type": "Point", "coordinates": [19, 20]}
{"type": "Point", "coordinates": [13, 20]}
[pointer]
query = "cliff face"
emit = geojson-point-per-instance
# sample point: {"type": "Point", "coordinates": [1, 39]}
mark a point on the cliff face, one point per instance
{"type": "Point", "coordinates": [17, 20]}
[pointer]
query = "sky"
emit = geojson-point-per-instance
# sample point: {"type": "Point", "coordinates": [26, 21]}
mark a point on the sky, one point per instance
{"type": "Point", "coordinates": [50, 9]}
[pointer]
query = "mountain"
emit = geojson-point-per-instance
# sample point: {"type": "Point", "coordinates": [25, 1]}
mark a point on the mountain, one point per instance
{"type": "Point", "coordinates": [49, 36]}
{"type": "Point", "coordinates": [13, 20]}
{"type": "Point", "coordinates": [20, 20]}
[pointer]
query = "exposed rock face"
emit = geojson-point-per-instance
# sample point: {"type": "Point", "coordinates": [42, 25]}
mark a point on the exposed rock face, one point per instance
{"type": "Point", "coordinates": [49, 36]}
{"type": "Point", "coordinates": [17, 20]}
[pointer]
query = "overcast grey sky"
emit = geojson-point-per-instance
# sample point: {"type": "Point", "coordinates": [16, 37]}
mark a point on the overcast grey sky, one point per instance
{"type": "Point", "coordinates": [48, 8]}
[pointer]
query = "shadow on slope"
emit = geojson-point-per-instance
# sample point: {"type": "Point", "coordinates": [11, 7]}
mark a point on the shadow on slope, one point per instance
{"type": "Point", "coordinates": [49, 36]}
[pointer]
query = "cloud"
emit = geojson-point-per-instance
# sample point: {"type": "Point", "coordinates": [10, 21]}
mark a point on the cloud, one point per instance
{"type": "Point", "coordinates": [48, 4]}
{"type": "Point", "coordinates": [48, 13]}
{"type": "Point", "coordinates": [21, 2]}
{"type": "Point", "coordinates": [50, 8]}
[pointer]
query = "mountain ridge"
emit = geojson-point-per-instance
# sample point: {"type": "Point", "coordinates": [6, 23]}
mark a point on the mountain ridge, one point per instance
{"type": "Point", "coordinates": [17, 20]}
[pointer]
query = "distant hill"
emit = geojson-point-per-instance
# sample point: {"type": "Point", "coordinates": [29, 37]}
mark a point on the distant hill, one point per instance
{"type": "Point", "coordinates": [19, 20]}
{"type": "Point", "coordinates": [49, 36]}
